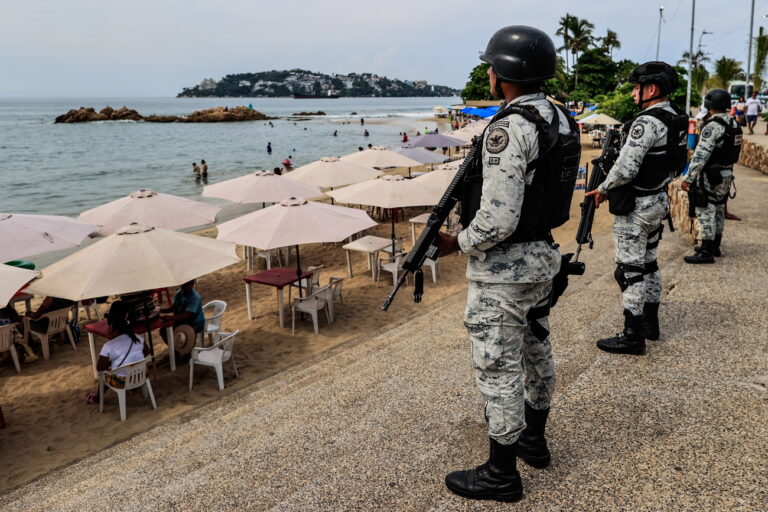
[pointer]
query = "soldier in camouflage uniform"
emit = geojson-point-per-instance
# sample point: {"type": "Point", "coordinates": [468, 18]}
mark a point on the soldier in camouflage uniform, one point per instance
{"type": "Point", "coordinates": [717, 150]}
{"type": "Point", "coordinates": [637, 231]}
{"type": "Point", "coordinates": [509, 283]}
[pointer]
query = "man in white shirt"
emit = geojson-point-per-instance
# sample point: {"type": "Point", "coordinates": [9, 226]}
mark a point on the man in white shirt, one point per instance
{"type": "Point", "coordinates": [753, 110]}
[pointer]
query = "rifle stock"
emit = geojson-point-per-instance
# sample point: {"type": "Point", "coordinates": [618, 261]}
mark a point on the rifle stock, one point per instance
{"type": "Point", "coordinates": [426, 246]}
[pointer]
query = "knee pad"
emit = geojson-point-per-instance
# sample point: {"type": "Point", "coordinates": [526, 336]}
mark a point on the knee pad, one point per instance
{"type": "Point", "coordinates": [650, 267]}
{"type": "Point", "coordinates": [620, 275]}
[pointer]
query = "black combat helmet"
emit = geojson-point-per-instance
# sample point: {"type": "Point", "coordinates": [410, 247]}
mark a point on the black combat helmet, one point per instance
{"type": "Point", "coordinates": [717, 99]}
{"type": "Point", "coordinates": [655, 72]}
{"type": "Point", "coordinates": [521, 55]}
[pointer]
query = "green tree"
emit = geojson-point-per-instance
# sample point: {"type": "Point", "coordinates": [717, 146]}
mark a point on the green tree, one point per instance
{"type": "Point", "coordinates": [581, 40]}
{"type": "Point", "coordinates": [623, 69]}
{"type": "Point", "coordinates": [597, 72]}
{"type": "Point", "coordinates": [761, 55]}
{"type": "Point", "coordinates": [726, 70]}
{"type": "Point", "coordinates": [478, 87]}
{"type": "Point", "coordinates": [564, 30]}
{"type": "Point", "coordinates": [557, 87]}
{"type": "Point", "coordinates": [610, 41]}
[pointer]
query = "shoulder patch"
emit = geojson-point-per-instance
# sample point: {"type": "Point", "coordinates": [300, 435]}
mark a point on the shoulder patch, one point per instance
{"type": "Point", "coordinates": [503, 123]}
{"type": "Point", "coordinates": [706, 133]}
{"type": "Point", "coordinates": [496, 140]}
{"type": "Point", "coordinates": [637, 131]}
{"type": "Point", "coordinates": [494, 160]}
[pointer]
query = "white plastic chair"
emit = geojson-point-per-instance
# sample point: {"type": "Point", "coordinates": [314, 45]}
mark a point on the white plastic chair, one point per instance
{"type": "Point", "coordinates": [90, 307]}
{"type": "Point", "coordinates": [58, 322]}
{"type": "Point", "coordinates": [311, 305]}
{"type": "Point", "coordinates": [429, 262]}
{"type": "Point", "coordinates": [213, 312]}
{"type": "Point", "coordinates": [135, 377]}
{"type": "Point", "coordinates": [308, 283]}
{"type": "Point", "coordinates": [215, 356]}
{"type": "Point", "coordinates": [336, 284]}
{"type": "Point", "coordinates": [391, 265]}
{"type": "Point", "coordinates": [7, 336]}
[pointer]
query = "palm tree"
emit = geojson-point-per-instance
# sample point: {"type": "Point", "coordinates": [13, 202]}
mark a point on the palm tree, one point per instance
{"type": "Point", "coordinates": [727, 69]}
{"type": "Point", "coordinates": [610, 41]}
{"type": "Point", "coordinates": [761, 54]}
{"type": "Point", "coordinates": [581, 38]}
{"type": "Point", "coordinates": [698, 58]}
{"type": "Point", "coordinates": [564, 30]}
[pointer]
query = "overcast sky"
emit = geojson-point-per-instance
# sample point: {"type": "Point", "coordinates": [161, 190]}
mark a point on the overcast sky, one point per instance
{"type": "Point", "coordinates": [108, 48]}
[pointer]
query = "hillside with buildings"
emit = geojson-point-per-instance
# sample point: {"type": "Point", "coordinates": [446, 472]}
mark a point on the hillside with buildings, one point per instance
{"type": "Point", "coordinates": [309, 83]}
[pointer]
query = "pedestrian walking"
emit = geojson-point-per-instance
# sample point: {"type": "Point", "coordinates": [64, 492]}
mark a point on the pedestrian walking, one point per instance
{"type": "Point", "coordinates": [753, 110]}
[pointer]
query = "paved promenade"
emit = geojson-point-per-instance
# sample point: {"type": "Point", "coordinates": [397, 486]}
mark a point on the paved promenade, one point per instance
{"type": "Point", "coordinates": [377, 423]}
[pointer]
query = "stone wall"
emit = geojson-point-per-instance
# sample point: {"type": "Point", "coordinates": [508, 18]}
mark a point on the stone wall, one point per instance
{"type": "Point", "coordinates": [754, 155]}
{"type": "Point", "coordinates": [678, 208]}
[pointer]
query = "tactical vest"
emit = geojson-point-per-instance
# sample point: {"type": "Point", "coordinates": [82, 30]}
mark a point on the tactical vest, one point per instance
{"type": "Point", "coordinates": [660, 165]}
{"type": "Point", "coordinates": [547, 200]}
{"type": "Point", "coordinates": [728, 153]}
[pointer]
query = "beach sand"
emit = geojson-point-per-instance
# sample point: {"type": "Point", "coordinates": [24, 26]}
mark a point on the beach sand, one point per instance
{"type": "Point", "coordinates": [50, 425]}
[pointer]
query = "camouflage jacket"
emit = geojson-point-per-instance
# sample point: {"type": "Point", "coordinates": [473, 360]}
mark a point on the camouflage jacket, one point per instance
{"type": "Point", "coordinates": [645, 133]}
{"type": "Point", "coordinates": [711, 138]}
{"type": "Point", "coordinates": [509, 144]}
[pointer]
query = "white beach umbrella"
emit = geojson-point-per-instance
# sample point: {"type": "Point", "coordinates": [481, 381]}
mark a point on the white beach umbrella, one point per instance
{"type": "Point", "coordinates": [453, 164]}
{"type": "Point", "coordinates": [135, 258]}
{"type": "Point", "coordinates": [422, 155]}
{"type": "Point", "coordinates": [436, 140]}
{"type": "Point", "coordinates": [381, 158]}
{"type": "Point", "coordinates": [260, 187]}
{"type": "Point", "coordinates": [28, 235]}
{"type": "Point", "coordinates": [295, 221]}
{"type": "Point", "coordinates": [439, 178]}
{"type": "Point", "coordinates": [330, 172]}
{"type": "Point", "coordinates": [11, 281]}
{"type": "Point", "coordinates": [150, 208]}
{"type": "Point", "coordinates": [389, 192]}
{"type": "Point", "coordinates": [600, 120]}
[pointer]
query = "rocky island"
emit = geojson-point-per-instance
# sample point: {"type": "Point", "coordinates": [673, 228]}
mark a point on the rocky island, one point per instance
{"type": "Point", "coordinates": [300, 83]}
{"type": "Point", "coordinates": [211, 115]}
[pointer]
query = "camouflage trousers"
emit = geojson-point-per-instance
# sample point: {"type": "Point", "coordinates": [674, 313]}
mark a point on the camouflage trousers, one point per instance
{"type": "Point", "coordinates": [511, 353]}
{"type": "Point", "coordinates": [712, 217]}
{"type": "Point", "coordinates": [637, 238]}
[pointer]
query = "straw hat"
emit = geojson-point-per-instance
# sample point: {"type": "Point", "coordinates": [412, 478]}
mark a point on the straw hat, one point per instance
{"type": "Point", "coordinates": [184, 337]}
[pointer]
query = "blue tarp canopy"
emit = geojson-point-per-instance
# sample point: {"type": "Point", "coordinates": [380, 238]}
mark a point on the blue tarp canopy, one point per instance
{"type": "Point", "coordinates": [480, 112]}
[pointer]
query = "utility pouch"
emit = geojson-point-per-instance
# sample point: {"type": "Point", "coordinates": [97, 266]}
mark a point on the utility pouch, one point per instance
{"type": "Point", "coordinates": [621, 200]}
{"type": "Point", "coordinates": [713, 176]}
{"type": "Point", "coordinates": [700, 198]}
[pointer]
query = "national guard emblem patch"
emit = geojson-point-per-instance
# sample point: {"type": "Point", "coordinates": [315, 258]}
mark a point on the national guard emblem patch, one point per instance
{"type": "Point", "coordinates": [706, 133]}
{"type": "Point", "coordinates": [497, 140]}
{"type": "Point", "coordinates": [637, 131]}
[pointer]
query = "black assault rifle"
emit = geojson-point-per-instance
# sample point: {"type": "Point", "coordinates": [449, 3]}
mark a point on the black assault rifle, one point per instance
{"type": "Point", "coordinates": [600, 168]}
{"type": "Point", "coordinates": [426, 246]}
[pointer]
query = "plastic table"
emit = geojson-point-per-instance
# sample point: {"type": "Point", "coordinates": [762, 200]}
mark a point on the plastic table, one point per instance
{"type": "Point", "coordinates": [102, 329]}
{"type": "Point", "coordinates": [277, 277]}
{"type": "Point", "coordinates": [419, 219]}
{"type": "Point", "coordinates": [369, 244]}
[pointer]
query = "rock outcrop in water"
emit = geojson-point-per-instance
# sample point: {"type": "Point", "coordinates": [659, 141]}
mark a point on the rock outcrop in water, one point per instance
{"type": "Point", "coordinates": [318, 113]}
{"type": "Point", "coordinates": [84, 115]}
{"type": "Point", "coordinates": [211, 115]}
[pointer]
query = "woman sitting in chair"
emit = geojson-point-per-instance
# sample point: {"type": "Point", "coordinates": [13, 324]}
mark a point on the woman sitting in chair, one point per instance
{"type": "Point", "coordinates": [126, 348]}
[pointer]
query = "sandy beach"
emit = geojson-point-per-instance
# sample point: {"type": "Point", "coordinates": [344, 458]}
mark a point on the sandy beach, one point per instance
{"type": "Point", "coordinates": [50, 424]}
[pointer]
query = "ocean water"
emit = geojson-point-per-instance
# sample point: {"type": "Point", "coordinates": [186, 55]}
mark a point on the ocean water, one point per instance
{"type": "Point", "coordinates": [64, 169]}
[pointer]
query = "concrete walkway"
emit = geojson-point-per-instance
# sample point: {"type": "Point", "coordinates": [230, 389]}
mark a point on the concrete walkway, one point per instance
{"type": "Point", "coordinates": [377, 423]}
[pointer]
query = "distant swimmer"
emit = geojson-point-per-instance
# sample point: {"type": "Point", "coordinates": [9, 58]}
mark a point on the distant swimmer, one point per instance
{"type": "Point", "coordinates": [359, 148]}
{"type": "Point", "coordinates": [271, 125]}
{"type": "Point", "coordinates": [196, 170]}
{"type": "Point", "coordinates": [204, 169]}
{"type": "Point", "coordinates": [277, 171]}
{"type": "Point", "coordinates": [362, 121]}
{"type": "Point", "coordinates": [405, 137]}
{"type": "Point", "coordinates": [269, 148]}
{"type": "Point", "coordinates": [335, 133]}
{"type": "Point", "coordinates": [287, 165]}
{"type": "Point", "coordinates": [370, 146]}
{"type": "Point", "coordinates": [365, 133]}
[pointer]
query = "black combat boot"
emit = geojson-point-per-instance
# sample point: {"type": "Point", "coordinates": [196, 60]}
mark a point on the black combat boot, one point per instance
{"type": "Point", "coordinates": [651, 321]}
{"type": "Point", "coordinates": [705, 255]}
{"type": "Point", "coordinates": [497, 479]}
{"type": "Point", "coordinates": [531, 445]}
{"type": "Point", "coordinates": [629, 341]}
{"type": "Point", "coordinates": [716, 249]}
